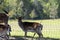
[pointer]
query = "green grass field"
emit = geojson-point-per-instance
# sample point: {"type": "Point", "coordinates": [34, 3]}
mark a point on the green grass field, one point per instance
{"type": "Point", "coordinates": [51, 28]}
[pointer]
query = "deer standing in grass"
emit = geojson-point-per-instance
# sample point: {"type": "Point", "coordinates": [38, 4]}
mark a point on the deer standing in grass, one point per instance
{"type": "Point", "coordinates": [30, 26]}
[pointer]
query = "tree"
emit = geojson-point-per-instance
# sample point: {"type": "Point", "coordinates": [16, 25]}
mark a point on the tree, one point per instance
{"type": "Point", "coordinates": [58, 8]}
{"type": "Point", "coordinates": [50, 8]}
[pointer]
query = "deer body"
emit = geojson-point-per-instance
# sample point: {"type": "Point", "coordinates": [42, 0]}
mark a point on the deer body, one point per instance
{"type": "Point", "coordinates": [36, 27]}
{"type": "Point", "coordinates": [3, 18]}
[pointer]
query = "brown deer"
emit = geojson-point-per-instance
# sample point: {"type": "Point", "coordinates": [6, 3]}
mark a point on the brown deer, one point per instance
{"type": "Point", "coordinates": [30, 26]}
{"type": "Point", "coordinates": [4, 17]}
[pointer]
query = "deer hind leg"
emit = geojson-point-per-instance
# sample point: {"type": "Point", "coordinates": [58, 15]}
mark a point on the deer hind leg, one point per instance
{"type": "Point", "coordinates": [33, 35]}
{"type": "Point", "coordinates": [25, 33]}
{"type": "Point", "coordinates": [38, 31]}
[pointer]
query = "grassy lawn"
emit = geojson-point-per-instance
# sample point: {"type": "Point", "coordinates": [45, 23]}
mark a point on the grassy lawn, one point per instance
{"type": "Point", "coordinates": [51, 28]}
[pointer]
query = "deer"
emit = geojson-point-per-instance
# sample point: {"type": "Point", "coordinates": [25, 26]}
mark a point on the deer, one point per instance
{"type": "Point", "coordinates": [4, 19]}
{"type": "Point", "coordinates": [31, 27]}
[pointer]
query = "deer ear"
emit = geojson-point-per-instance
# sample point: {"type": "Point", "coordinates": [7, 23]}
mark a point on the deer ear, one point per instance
{"type": "Point", "coordinates": [21, 17]}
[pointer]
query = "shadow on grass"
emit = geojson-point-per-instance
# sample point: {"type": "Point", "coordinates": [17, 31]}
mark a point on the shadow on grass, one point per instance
{"type": "Point", "coordinates": [30, 38]}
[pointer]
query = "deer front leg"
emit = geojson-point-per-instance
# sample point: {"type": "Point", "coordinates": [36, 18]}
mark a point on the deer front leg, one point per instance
{"type": "Point", "coordinates": [25, 33]}
{"type": "Point", "coordinates": [38, 31]}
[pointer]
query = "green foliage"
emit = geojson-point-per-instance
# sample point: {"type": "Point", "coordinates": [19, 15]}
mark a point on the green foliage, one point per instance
{"type": "Point", "coordinates": [58, 8]}
{"type": "Point", "coordinates": [50, 8]}
{"type": "Point", "coordinates": [43, 8]}
{"type": "Point", "coordinates": [33, 14]}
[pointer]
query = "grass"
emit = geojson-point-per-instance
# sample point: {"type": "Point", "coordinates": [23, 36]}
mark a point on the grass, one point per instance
{"type": "Point", "coordinates": [51, 28]}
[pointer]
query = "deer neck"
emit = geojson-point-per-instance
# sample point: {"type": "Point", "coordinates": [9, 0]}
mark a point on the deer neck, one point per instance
{"type": "Point", "coordinates": [20, 22]}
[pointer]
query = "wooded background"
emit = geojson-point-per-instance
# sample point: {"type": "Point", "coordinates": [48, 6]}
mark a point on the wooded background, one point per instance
{"type": "Point", "coordinates": [31, 9]}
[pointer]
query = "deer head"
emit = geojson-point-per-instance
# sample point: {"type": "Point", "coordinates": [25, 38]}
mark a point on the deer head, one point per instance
{"type": "Point", "coordinates": [20, 18]}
